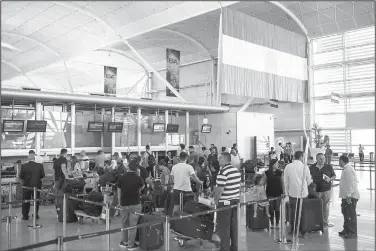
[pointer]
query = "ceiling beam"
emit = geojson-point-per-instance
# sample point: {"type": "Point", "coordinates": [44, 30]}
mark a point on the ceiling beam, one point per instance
{"type": "Point", "coordinates": [155, 27]}
{"type": "Point", "coordinates": [292, 15]}
{"type": "Point", "coordinates": [20, 71]}
{"type": "Point", "coordinates": [33, 40]}
{"type": "Point", "coordinates": [111, 29]}
{"type": "Point", "coordinates": [10, 47]}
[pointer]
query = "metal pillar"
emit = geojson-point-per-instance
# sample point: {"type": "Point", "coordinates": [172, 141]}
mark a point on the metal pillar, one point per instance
{"type": "Point", "coordinates": [108, 226]}
{"type": "Point", "coordinates": [38, 116]}
{"type": "Point", "coordinates": [187, 129]}
{"type": "Point", "coordinates": [167, 234]}
{"type": "Point", "coordinates": [220, 59]}
{"type": "Point", "coordinates": [103, 113]}
{"type": "Point", "coordinates": [73, 129]}
{"type": "Point", "coordinates": [139, 130]}
{"type": "Point", "coordinates": [64, 216]}
{"type": "Point", "coordinates": [150, 82]}
{"type": "Point", "coordinates": [166, 135]}
{"type": "Point", "coordinates": [113, 135]}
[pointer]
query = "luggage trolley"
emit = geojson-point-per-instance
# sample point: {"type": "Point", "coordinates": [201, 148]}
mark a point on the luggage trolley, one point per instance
{"type": "Point", "coordinates": [182, 239]}
{"type": "Point", "coordinates": [81, 215]}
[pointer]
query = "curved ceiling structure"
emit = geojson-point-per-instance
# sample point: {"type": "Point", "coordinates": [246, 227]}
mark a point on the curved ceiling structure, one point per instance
{"type": "Point", "coordinates": [42, 30]}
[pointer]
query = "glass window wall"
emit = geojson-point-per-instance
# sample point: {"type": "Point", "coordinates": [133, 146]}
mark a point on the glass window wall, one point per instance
{"type": "Point", "coordinates": [83, 137]}
{"type": "Point", "coordinates": [58, 131]}
{"type": "Point", "coordinates": [148, 137]}
{"type": "Point", "coordinates": [15, 140]}
{"type": "Point", "coordinates": [129, 135]}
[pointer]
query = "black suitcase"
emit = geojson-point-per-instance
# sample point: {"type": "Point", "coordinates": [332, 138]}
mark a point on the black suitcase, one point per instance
{"type": "Point", "coordinates": [194, 207]}
{"type": "Point", "coordinates": [91, 209]}
{"type": "Point", "coordinates": [150, 237]}
{"type": "Point", "coordinates": [193, 227]}
{"type": "Point", "coordinates": [72, 205]}
{"type": "Point", "coordinates": [260, 222]}
{"type": "Point", "coordinates": [313, 220]}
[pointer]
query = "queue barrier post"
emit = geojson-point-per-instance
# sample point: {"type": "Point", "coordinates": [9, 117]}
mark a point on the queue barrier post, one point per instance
{"type": "Point", "coordinates": [108, 226]}
{"type": "Point", "coordinates": [64, 216]}
{"type": "Point", "coordinates": [9, 229]}
{"type": "Point", "coordinates": [60, 243]}
{"type": "Point", "coordinates": [35, 214]}
{"type": "Point", "coordinates": [370, 172]}
{"type": "Point", "coordinates": [10, 198]}
{"type": "Point", "coordinates": [167, 234]}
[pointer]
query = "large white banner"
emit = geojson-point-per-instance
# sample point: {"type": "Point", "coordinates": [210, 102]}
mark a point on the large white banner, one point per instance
{"type": "Point", "coordinates": [173, 70]}
{"type": "Point", "coordinates": [110, 76]}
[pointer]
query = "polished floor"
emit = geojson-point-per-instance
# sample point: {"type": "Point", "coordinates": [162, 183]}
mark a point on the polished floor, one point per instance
{"type": "Point", "coordinates": [248, 240]}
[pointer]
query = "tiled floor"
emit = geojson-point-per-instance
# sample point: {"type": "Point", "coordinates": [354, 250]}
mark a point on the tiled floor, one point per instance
{"type": "Point", "coordinates": [248, 240]}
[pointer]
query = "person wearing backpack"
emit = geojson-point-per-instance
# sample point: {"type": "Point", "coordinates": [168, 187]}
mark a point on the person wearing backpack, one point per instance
{"type": "Point", "coordinates": [149, 161]}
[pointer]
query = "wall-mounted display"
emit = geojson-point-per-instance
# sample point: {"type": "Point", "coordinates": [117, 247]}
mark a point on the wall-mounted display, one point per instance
{"type": "Point", "coordinates": [13, 126]}
{"type": "Point", "coordinates": [172, 128]}
{"type": "Point", "coordinates": [36, 126]}
{"type": "Point", "coordinates": [158, 127]}
{"type": "Point", "coordinates": [95, 126]}
{"type": "Point", "coordinates": [115, 127]}
{"type": "Point", "coordinates": [206, 128]}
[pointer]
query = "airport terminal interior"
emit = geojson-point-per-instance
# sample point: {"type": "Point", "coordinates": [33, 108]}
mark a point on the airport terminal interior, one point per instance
{"type": "Point", "coordinates": [93, 92]}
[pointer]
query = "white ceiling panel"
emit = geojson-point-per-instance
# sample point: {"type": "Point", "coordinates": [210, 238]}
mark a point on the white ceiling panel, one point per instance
{"type": "Point", "coordinates": [74, 20]}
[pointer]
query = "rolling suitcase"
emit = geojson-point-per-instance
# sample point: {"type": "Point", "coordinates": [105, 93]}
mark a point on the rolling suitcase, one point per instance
{"type": "Point", "coordinates": [194, 207]}
{"type": "Point", "coordinates": [150, 237]}
{"type": "Point", "coordinates": [313, 216]}
{"type": "Point", "coordinates": [258, 223]}
{"type": "Point", "coordinates": [90, 209]}
{"type": "Point", "coordinates": [72, 205]}
{"type": "Point", "coordinates": [196, 227]}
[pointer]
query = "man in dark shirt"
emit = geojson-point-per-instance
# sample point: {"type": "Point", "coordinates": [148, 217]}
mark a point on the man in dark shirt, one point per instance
{"type": "Point", "coordinates": [60, 163]}
{"type": "Point", "coordinates": [211, 158]}
{"type": "Point", "coordinates": [129, 189]}
{"type": "Point", "coordinates": [31, 174]}
{"type": "Point", "coordinates": [323, 175]}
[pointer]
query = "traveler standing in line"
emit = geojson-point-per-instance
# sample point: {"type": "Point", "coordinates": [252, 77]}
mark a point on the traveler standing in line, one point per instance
{"type": "Point", "coordinates": [323, 175]}
{"type": "Point", "coordinates": [212, 157]}
{"type": "Point", "coordinates": [31, 175]}
{"type": "Point", "coordinates": [60, 164]}
{"type": "Point", "coordinates": [297, 189]}
{"type": "Point", "coordinates": [279, 151]}
{"type": "Point", "coordinates": [361, 153]}
{"type": "Point", "coordinates": [205, 152]}
{"type": "Point", "coordinates": [38, 159]}
{"type": "Point", "coordinates": [181, 175]}
{"type": "Point", "coordinates": [193, 156]}
{"type": "Point", "coordinates": [99, 160]}
{"type": "Point", "coordinates": [348, 192]}
{"type": "Point", "coordinates": [274, 189]}
{"type": "Point", "coordinates": [212, 146]}
{"type": "Point", "coordinates": [128, 191]}
{"type": "Point", "coordinates": [214, 172]}
{"type": "Point", "coordinates": [289, 152]}
{"type": "Point", "coordinates": [235, 158]}
{"type": "Point", "coordinates": [227, 192]}
{"type": "Point", "coordinates": [328, 155]}
{"type": "Point", "coordinates": [85, 161]}
{"type": "Point", "coordinates": [148, 161]}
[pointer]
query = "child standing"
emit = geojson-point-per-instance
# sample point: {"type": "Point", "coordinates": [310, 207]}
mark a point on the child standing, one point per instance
{"type": "Point", "coordinates": [258, 193]}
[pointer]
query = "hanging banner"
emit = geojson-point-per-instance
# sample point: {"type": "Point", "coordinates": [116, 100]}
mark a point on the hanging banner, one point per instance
{"type": "Point", "coordinates": [110, 75]}
{"type": "Point", "coordinates": [172, 70]}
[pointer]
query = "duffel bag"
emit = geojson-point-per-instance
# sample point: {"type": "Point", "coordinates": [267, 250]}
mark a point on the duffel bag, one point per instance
{"type": "Point", "coordinates": [91, 209]}
{"type": "Point", "coordinates": [73, 185]}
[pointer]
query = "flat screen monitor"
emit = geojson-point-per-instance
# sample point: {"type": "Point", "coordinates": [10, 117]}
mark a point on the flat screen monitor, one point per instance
{"type": "Point", "coordinates": [115, 127]}
{"type": "Point", "coordinates": [95, 126]}
{"type": "Point", "coordinates": [206, 128]}
{"type": "Point", "coordinates": [13, 126]}
{"type": "Point", "coordinates": [36, 126]}
{"type": "Point", "coordinates": [158, 127]}
{"type": "Point", "coordinates": [172, 128]}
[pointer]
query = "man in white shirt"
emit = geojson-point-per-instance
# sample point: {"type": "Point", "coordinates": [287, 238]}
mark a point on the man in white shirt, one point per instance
{"type": "Point", "coordinates": [279, 151]}
{"type": "Point", "coordinates": [84, 162]}
{"type": "Point", "coordinates": [297, 178]}
{"type": "Point", "coordinates": [181, 175]}
{"type": "Point", "coordinates": [349, 193]}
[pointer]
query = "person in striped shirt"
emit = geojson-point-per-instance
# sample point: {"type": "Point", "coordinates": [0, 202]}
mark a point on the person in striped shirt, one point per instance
{"type": "Point", "coordinates": [227, 192]}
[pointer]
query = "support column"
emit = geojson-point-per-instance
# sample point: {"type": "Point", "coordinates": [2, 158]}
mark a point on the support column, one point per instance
{"type": "Point", "coordinates": [311, 93]}
{"type": "Point", "coordinates": [103, 112]}
{"type": "Point", "coordinates": [213, 81]}
{"type": "Point", "coordinates": [219, 62]}
{"type": "Point", "coordinates": [150, 81]}
{"type": "Point", "coordinates": [187, 129]}
{"type": "Point", "coordinates": [73, 129]}
{"type": "Point", "coordinates": [38, 116]}
{"type": "Point", "coordinates": [113, 138]}
{"type": "Point", "coordinates": [139, 130]}
{"type": "Point", "coordinates": [166, 135]}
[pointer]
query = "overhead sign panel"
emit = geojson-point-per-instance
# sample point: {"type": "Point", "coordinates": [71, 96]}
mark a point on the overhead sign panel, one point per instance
{"type": "Point", "coordinates": [273, 103]}
{"type": "Point", "coordinates": [172, 70]}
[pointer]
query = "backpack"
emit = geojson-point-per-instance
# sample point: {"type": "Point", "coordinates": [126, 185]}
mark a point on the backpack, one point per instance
{"type": "Point", "coordinates": [151, 160]}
